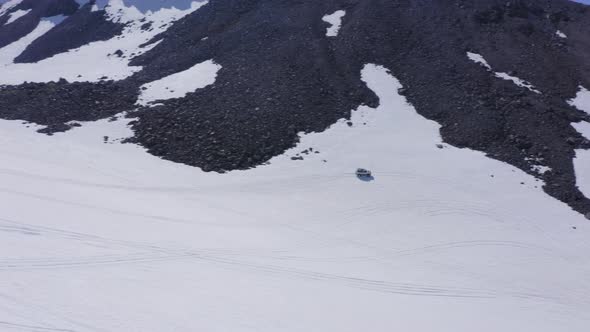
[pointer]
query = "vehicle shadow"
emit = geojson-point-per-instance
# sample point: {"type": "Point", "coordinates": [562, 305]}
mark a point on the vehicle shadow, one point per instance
{"type": "Point", "coordinates": [365, 178]}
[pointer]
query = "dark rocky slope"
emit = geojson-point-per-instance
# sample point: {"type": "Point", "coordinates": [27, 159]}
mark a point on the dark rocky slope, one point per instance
{"type": "Point", "coordinates": [39, 9]}
{"type": "Point", "coordinates": [282, 75]}
{"type": "Point", "coordinates": [83, 27]}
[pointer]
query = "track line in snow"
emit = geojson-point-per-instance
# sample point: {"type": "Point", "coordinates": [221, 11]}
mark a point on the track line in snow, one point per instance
{"type": "Point", "coordinates": [31, 328]}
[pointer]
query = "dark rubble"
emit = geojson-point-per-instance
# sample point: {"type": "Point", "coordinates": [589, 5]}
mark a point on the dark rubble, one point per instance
{"type": "Point", "coordinates": [281, 75]}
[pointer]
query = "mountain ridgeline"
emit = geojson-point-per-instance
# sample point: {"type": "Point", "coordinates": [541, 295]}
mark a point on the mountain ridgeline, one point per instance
{"type": "Point", "coordinates": [282, 75]}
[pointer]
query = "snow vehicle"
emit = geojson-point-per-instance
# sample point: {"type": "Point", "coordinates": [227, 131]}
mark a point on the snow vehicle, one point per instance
{"type": "Point", "coordinates": [363, 173]}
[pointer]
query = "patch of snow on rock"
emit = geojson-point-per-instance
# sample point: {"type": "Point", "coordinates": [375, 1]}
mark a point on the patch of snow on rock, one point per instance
{"type": "Point", "coordinates": [92, 62]}
{"type": "Point", "coordinates": [335, 19]}
{"type": "Point", "coordinates": [541, 169]}
{"type": "Point", "coordinates": [521, 83]}
{"type": "Point", "coordinates": [11, 51]}
{"type": "Point", "coordinates": [179, 84]}
{"type": "Point", "coordinates": [583, 128]}
{"type": "Point", "coordinates": [15, 15]}
{"type": "Point", "coordinates": [560, 34]}
{"type": "Point", "coordinates": [582, 100]}
{"type": "Point", "coordinates": [582, 160]}
{"type": "Point", "coordinates": [582, 169]}
{"type": "Point", "coordinates": [5, 7]}
{"type": "Point", "coordinates": [478, 58]}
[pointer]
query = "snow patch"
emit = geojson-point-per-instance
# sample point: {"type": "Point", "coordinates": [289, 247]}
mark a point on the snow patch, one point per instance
{"type": "Point", "coordinates": [335, 19]}
{"type": "Point", "coordinates": [517, 81]}
{"type": "Point", "coordinates": [92, 62]}
{"type": "Point", "coordinates": [582, 160]}
{"type": "Point", "coordinates": [541, 169]}
{"type": "Point", "coordinates": [582, 169]}
{"type": "Point", "coordinates": [179, 84]}
{"type": "Point", "coordinates": [5, 7]}
{"type": "Point", "coordinates": [15, 15]}
{"type": "Point", "coordinates": [11, 51]}
{"type": "Point", "coordinates": [582, 100]}
{"type": "Point", "coordinates": [478, 58]}
{"type": "Point", "coordinates": [583, 128]}
{"type": "Point", "coordinates": [560, 34]}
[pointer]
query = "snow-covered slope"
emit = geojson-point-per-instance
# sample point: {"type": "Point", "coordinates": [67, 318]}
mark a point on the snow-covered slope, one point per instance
{"type": "Point", "coordinates": [98, 60]}
{"type": "Point", "coordinates": [101, 236]}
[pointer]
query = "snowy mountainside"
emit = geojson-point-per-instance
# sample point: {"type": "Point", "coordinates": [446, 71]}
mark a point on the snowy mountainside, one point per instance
{"type": "Point", "coordinates": [281, 68]}
{"type": "Point", "coordinates": [442, 239]}
{"type": "Point", "coordinates": [190, 165]}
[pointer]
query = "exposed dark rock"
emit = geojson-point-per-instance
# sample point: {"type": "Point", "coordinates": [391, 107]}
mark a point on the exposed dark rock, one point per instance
{"type": "Point", "coordinates": [54, 104]}
{"type": "Point", "coordinates": [84, 27]}
{"type": "Point", "coordinates": [14, 31]}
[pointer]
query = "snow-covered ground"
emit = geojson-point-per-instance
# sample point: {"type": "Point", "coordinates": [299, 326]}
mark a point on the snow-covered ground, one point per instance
{"type": "Point", "coordinates": [97, 60]}
{"type": "Point", "coordinates": [102, 236]}
{"type": "Point", "coordinates": [335, 21]}
{"type": "Point", "coordinates": [179, 84]}
{"type": "Point", "coordinates": [478, 58]}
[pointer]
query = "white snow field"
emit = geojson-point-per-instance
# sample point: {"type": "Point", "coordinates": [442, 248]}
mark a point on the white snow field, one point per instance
{"type": "Point", "coordinates": [104, 237]}
{"type": "Point", "coordinates": [179, 84]}
{"type": "Point", "coordinates": [478, 58]}
{"type": "Point", "coordinates": [335, 21]}
{"type": "Point", "coordinates": [95, 61]}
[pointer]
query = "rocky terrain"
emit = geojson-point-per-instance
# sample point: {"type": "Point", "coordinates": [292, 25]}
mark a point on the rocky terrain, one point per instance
{"type": "Point", "coordinates": [281, 75]}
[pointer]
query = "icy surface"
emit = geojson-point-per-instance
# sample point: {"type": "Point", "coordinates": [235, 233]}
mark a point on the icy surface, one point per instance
{"type": "Point", "coordinates": [104, 237]}
{"type": "Point", "coordinates": [15, 15]}
{"type": "Point", "coordinates": [478, 58]}
{"type": "Point", "coordinates": [335, 19]}
{"type": "Point", "coordinates": [179, 84]}
{"type": "Point", "coordinates": [92, 62]}
{"type": "Point", "coordinates": [11, 51]}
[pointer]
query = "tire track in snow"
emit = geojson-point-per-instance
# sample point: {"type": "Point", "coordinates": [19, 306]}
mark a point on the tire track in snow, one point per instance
{"type": "Point", "coordinates": [161, 254]}
{"type": "Point", "coordinates": [31, 328]}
